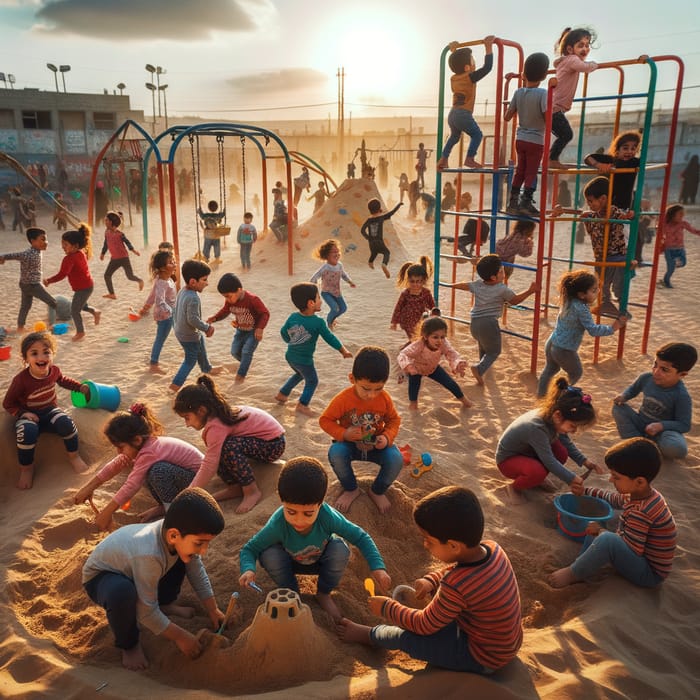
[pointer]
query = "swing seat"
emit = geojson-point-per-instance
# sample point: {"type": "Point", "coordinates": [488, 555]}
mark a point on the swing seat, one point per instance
{"type": "Point", "coordinates": [220, 232]}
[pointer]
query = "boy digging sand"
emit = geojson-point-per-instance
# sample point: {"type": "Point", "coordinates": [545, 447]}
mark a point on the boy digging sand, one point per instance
{"type": "Point", "coordinates": [307, 536]}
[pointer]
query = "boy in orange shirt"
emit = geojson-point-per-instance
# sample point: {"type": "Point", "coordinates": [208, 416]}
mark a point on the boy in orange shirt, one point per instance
{"type": "Point", "coordinates": [363, 423]}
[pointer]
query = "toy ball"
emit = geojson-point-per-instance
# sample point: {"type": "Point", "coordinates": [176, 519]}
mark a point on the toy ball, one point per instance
{"type": "Point", "coordinates": [39, 326]}
{"type": "Point", "coordinates": [342, 211]}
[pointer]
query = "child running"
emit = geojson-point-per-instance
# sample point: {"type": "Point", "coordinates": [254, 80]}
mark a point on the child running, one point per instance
{"type": "Point", "coordinates": [77, 247]}
{"type": "Point", "coordinates": [472, 621]}
{"type": "Point", "coordinates": [674, 245]}
{"type": "Point", "coordinates": [578, 289]}
{"type": "Point", "coordinates": [119, 246]}
{"type": "Point", "coordinates": [166, 465]}
{"type": "Point", "coordinates": [416, 298]}
{"type": "Point", "coordinates": [301, 331]}
{"type": "Point", "coordinates": [31, 400]}
{"type": "Point", "coordinates": [538, 443]}
{"type": "Point", "coordinates": [373, 231]}
{"type": "Point", "coordinates": [307, 536]}
{"type": "Point", "coordinates": [162, 299]}
{"type": "Point", "coordinates": [330, 274]}
{"type": "Point", "coordinates": [518, 242]}
{"type": "Point", "coordinates": [232, 435]}
{"type": "Point", "coordinates": [422, 359]}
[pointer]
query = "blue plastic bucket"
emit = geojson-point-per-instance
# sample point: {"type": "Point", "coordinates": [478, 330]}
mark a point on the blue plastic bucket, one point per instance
{"type": "Point", "coordinates": [60, 328]}
{"type": "Point", "coordinates": [104, 396]}
{"type": "Point", "coordinates": [575, 512]}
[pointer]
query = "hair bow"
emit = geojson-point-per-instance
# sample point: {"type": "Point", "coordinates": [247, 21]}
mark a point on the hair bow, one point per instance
{"type": "Point", "coordinates": [578, 391]}
{"type": "Point", "coordinates": [137, 409]}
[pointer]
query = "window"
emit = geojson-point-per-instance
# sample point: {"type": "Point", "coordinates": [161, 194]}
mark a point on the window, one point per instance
{"type": "Point", "coordinates": [36, 120]}
{"type": "Point", "coordinates": [104, 120]}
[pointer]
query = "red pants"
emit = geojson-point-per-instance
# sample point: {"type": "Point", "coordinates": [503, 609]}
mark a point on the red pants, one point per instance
{"type": "Point", "coordinates": [528, 472]}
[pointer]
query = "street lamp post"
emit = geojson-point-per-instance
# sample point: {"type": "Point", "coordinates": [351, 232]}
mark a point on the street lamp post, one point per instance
{"type": "Point", "coordinates": [54, 70]}
{"type": "Point", "coordinates": [163, 88]}
{"type": "Point", "coordinates": [120, 87]}
{"type": "Point", "coordinates": [153, 90]}
{"type": "Point", "coordinates": [63, 70]}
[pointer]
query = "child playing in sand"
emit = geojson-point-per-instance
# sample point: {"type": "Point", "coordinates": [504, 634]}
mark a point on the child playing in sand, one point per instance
{"type": "Point", "coordinates": [31, 400]}
{"type": "Point", "coordinates": [210, 220]}
{"type": "Point", "coordinates": [666, 409]}
{"type": "Point", "coordinates": [136, 574]}
{"type": "Point", "coordinates": [461, 117]}
{"type": "Point", "coordinates": [674, 246]}
{"type": "Point", "coordinates": [473, 621]}
{"type": "Point", "coordinates": [573, 46]}
{"type": "Point", "coordinates": [162, 299]}
{"type": "Point", "coordinates": [422, 359]}
{"type": "Point", "coordinates": [232, 435]}
{"type": "Point", "coordinates": [578, 289]}
{"type": "Point", "coordinates": [78, 250]}
{"type": "Point", "coordinates": [119, 246]}
{"type": "Point", "coordinates": [490, 293]}
{"type": "Point", "coordinates": [363, 423]}
{"type": "Point", "coordinates": [301, 331]}
{"type": "Point", "coordinates": [518, 242]}
{"type": "Point", "coordinates": [250, 317]}
{"type": "Point", "coordinates": [530, 104]}
{"type": "Point", "coordinates": [538, 443]}
{"type": "Point", "coordinates": [416, 298]}
{"type": "Point", "coordinates": [166, 465]}
{"type": "Point", "coordinates": [330, 274]}
{"type": "Point", "coordinates": [30, 274]}
{"type": "Point", "coordinates": [373, 231]}
{"type": "Point", "coordinates": [643, 547]}
{"type": "Point", "coordinates": [307, 536]}
{"type": "Point", "coordinates": [188, 323]}
{"type": "Point", "coordinates": [246, 236]}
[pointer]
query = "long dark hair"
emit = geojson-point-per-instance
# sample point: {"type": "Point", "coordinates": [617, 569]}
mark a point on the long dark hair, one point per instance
{"type": "Point", "coordinates": [204, 394]}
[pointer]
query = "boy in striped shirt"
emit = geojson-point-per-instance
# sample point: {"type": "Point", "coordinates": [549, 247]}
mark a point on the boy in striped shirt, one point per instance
{"type": "Point", "coordinates": [472, 622]}
{"type": "Point", "coordinates": [642, 549]}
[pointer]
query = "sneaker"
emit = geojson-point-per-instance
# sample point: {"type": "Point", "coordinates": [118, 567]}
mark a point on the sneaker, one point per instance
{"type": "Point", "coordinates": [527, 208]}
{"type": "Point", "coordinates": [513, 209]}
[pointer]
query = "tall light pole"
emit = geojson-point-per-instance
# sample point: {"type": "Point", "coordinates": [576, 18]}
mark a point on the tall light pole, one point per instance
{"type": "Point", "coordinates": [64, 70]}
{"type": "Point", "coordinates": [153, 90]}
{"type": "Point", "coordinates": [54, 70]}
{"type": "Point", "coordinates": [120, 87]}
{"type": "Point", "coordinates": [163, 88]}
{"type": "Point", "coordinates": [160, 71]}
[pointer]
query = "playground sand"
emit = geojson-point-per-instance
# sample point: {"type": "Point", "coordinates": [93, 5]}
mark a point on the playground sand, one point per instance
{"type": "Point", "coordinates": [600, 639]}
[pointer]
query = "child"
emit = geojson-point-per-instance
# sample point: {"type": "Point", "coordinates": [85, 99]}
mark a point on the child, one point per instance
{"type": "Point", "coordinates": [30, 275]}
{"type": "Point", "coordinates": [642, 549]}
{"type": "Point", "coordinates": [330, 274]}
{"type": "Point", "coordinates": [578, 289]}
{"type": "Point", "coordinates": [463, 84]}
{"type": "Point", "coordinates": [31, 399]}
{"type": "Point", "coordinates": [415, 299]}
{"type": "Point", "coordinates": [538, 443]}
{"type": "Point", "coordinates": [250, 317]}
{"type": "Point", "coordinates": [307, 536]}
{"type": "Point", "coordinates": [490, 293]}
{"type": "Point", "coordinates": [280, 217]}
{"type": "Point", "coordinates": [60, 218]}
{"type": "Point", "coordinates": [530, 104]}
{"type": "Point", "coordinates": [403, 186]}
{"type": "Point", "coordinates": [301, 331]}
{"type": "Point", "coordinates": [188, 323]}
{"type": "Point", "coordinates": [319, 196]}
{"type": "Point", "coordinates": [373, 231]}
{"type": "Point", "coordinates": [162, 299]}
{"type": "Point", "coordinates": [165, 464]}
{"type": "Point", "coordinates": [473, 620]}
{"type": "Point", "coordinates": [622, 154]}
{"type": "Point", "coordinates": [363, 423]}
{"type": "Point", "coordinates": [518, 242]}
{"type": "Point", "coordinates": [422, 359]}
{"type": "Point", "coordinates": [421, 164]}
{"type": "Point", "coordinates": [247, 235]}
{"type": "Point", "coordinates": [78, 250]}
{"type": "Point", "coordinates": [301, 183]}
{"type": "Point", "coordinates": [119, 246]}
{"type": "Point", "coordinates": [574, 45]}
{"type": "Point", "coordinates": [211, 219]}
{"type": "Point", "coordinates": [136, 573]}
{"type": "Point", "coordinates": [666, 410]}
{"type": "Point", "coordinates": [232, 434]}
{"type": "Point", "coordinates": [674, 245]}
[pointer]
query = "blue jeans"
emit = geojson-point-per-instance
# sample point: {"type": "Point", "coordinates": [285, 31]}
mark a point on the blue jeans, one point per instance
{"type": "Point", "coordinates": [448, 648]}
{"type": "Point", "coordinates": [671, 443]}
{"type": "Point", "coordinates": [440, 376]}
{"type": "Point", "coordinates": [462, 120]}
{"type": "Point", "coordinates": [487, 333]}
{"type": "Point", "coordinates": [675, 257]}
{"type": "Point", "coordinates": [610, 548]}
{"type": "Point", "coordinates": [559, 358]}
{"type": "Point", "coordinates": [245, 254]}
{"type": "Point", "coordinates": [195, 353]}
{"type": "Point", "coordinates": [305, 373]}
{"type": "Point", "coordinates": [330, 566]}
{"type": "Point", "coordinates": [242, 348]}
{"type": "Point", "coordinates": [342, 454]}
{"type": "Point", "coordinates": [336, 304]}
{"type": "Point", "coordinates": [163, 329]}
{"type": "Point", "coordinates": [210, 243]}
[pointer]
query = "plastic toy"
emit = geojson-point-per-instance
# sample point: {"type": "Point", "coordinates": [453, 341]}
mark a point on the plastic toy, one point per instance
{"type": "Point", "coordinates": [106, 396]}
{"type": "Point", "coordinates": [406, 454]}
{"type": "Point", "coordinates": [369, 586]}
{"type": "Point", "coordinates": [424, 464]}
{"type": "Point", "coordinates": [229, 611]}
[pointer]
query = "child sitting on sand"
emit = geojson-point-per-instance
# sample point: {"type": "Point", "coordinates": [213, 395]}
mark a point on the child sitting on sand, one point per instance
{"type": "Point", "coordinates": [307, 536]}
{"type": "Point", "coordinates": [136, 573]}
{"type": "Point", "coordinates": [642, 549]}
{"type": "Point", "coordinates": [473, 620]}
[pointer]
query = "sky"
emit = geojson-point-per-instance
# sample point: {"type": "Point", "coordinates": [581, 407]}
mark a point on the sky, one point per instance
{"type": "Point", "coordinates": [242, 60]}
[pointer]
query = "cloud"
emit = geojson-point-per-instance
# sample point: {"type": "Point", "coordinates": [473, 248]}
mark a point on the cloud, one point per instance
{"type": "Point", "coordinates": [152, 19]}
{"type": "Point", "coordinates": [284, 80]}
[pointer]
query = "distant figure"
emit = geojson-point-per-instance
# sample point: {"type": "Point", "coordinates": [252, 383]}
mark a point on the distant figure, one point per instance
{"type": "Point", "coordinates": [564, 194]}
{"type": "Point", "coordinates": [256, 204]}
{"type": "Point", "coordinates": [674, 224]}
{"type": "Point", "coordinates": [429, 204]}
{"type": "Point", "coordinates": [101, 202]}
{"type": "Point", "coordinates": [62, 178]}
{"type": "Point", "coordinates": [690, 176]}
{"type": "Point", "coordinates": [279, 217]}
{"type": "Point", "coordinates": [383, 172]}
{"type": "Point", "coordinates": [60, 218]}
{"type": "Point", "coordinates": [421, 157]}
{"type": "Point", "coordinates": [301, 183]}
{"type": "Point", "coordinates": [403, 185]}
{"type": "Point", "coordinates": [351, 170]}
{"type": "Point", "coordinates": [210, 220]}
{"type": "Point", "coordinates": [319, 196]}
{"type": "Point", "coordinates": [413, 194]}
{"type": "Point", "coordinates": [449, 199]}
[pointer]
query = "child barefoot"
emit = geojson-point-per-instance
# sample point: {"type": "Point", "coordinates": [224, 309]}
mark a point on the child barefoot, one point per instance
{"type": "Point", "coordinates": [31, 399]}
{"type": "Point", "coordinates": [415, 299]}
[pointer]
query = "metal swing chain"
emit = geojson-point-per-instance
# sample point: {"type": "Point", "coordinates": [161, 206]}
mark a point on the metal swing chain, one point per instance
{"type": "Point", "coordinates": [243, 165]}
{"type": "Point", "coordinates": [222, 174]}
{"type": "Point", "coordinates": [196, 198]}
